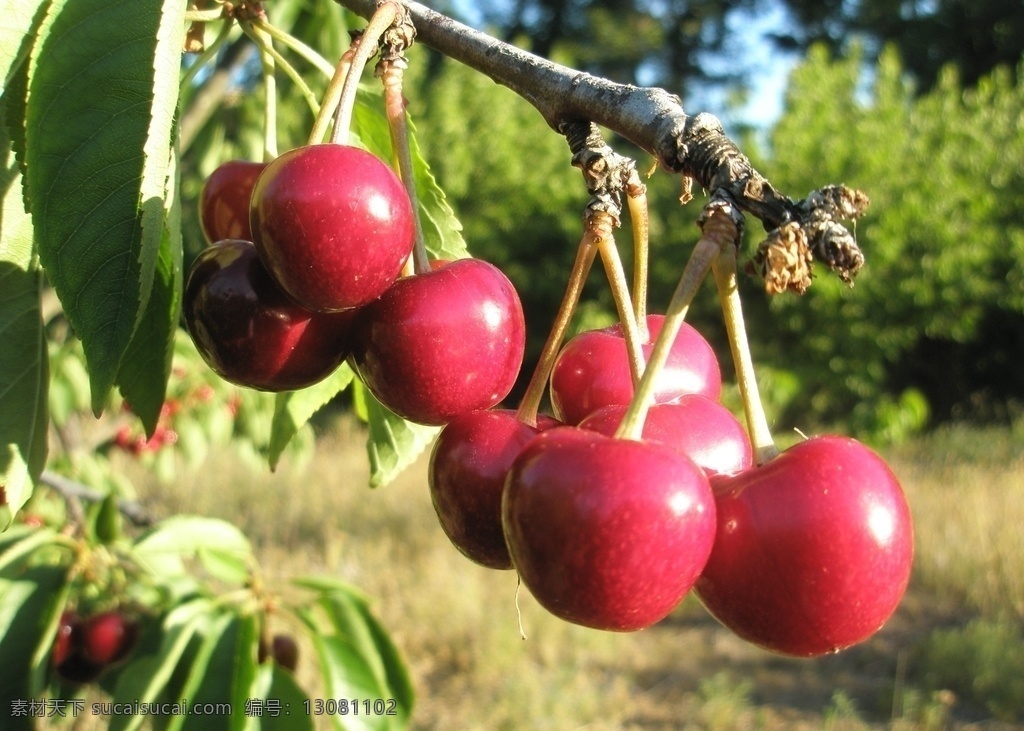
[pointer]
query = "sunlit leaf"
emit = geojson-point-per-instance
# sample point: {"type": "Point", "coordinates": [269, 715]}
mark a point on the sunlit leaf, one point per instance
{"type": "Point", "coordinates": [17, 31]}
{"type": "Point", "coordinates": [353, 620]}
{"type": "Point", "coordinates": [21, 542]}
{"type": "Point", "coordinates": [23, 359]}
{"type": "Point", "coordinates": [358, 660]}
{"type": "Point", "coordinates": [142, 376]}
{"type": "Point", "coordinates": [442, 232]}
{"type": "Point", "coordinates": [162, 548]}
{"type": "Point", "coordinates": [222, 672]}
{"type": "Point", "coordinates": [292, 409]}
{"type": "Point", "coordinates": [393, 443]}
{"type": "Point", "coordinates": [102, 95]}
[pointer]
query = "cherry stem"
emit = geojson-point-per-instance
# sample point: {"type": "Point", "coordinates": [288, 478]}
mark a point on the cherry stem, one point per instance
{"type": "Point", "coordinates": [398, 125]}
{"type": "Point", "coordinates": [296, 45]}
{"type": "Point", "coordinates": [266, 46]}
{"type": "Point", "coordinates": [700, 261]}
{"type": "Point", "coordinates": [333, 94]}
{"type": "Point", "coordinates": [381, 20]}
{"type": "Point", "coordinates": [639, 216]}
{"type": "Point", "coordinates": [263, 41]}
{"type": "Point", "coordinates": [601, 225]}
{"type": "Point", "coordinates": [208, 54]}
{"type": "Point", "coordinates": [724, 268]}
{"type": "Point", "coordinates": [530, 403]}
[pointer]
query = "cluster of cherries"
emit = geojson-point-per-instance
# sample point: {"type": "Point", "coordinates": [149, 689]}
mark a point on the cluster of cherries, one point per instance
{"type": "Point", "coordinates": [805, 554]}
{"type": "Point", "coordinates": [86, 647]}
{"type": "Point", "coordinates": [304, 273]}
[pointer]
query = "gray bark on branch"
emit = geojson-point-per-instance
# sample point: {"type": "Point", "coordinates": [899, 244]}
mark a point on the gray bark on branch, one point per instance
{"type": "Point", "coordinates": [653, 119]}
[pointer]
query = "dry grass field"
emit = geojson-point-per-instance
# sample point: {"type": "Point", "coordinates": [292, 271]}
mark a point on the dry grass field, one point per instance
{"type": "Point", "coordinates": [951, 658]}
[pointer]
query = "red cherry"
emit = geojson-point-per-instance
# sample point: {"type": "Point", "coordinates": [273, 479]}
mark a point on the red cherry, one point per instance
{"type": "Point", "coordinates": [468, 466]}
{"type": "Point", "coordinates": [606, 533]}
{"type": "Point", "coordinates": [592, 370]}
{"type": "Point", "coordinates": [441, 343]}
{"type": "Point", "coordinates": [62, 643]}
{"type": "Point", "coordinates": [108, 638]}
{"type": "Point", "coordinates": [813, 550]}
{"type": "Point", "coordinates": [224, 201]}
{"type": "Point", "coordinates": [249, 331]}
{"type": "Point", "coordinates": [67, 659]}
{"type": "Point", "coordinates": [702, 429]}
{"type": "Point", "coordinates": [333, 225]}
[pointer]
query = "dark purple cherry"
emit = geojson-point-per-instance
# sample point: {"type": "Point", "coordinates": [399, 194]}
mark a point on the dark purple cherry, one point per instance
{"type": "Point", "coordinates": [249, 331]}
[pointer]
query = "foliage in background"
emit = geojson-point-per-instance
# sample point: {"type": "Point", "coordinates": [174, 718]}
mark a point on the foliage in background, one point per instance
{"type": "Point", "coordinates": [935, 323]}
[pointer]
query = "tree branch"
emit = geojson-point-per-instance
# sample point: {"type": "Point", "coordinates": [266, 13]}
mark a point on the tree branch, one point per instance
{"type": "Point", "coordinates": [71, 490]}
{"type": "Point", "coordinates": [649, 117]}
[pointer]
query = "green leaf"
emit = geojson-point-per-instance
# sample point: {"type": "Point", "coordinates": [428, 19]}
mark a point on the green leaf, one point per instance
{"type": "Point", "coordinates": [163, 548]}
{"type": "Point", "coordinates": [102, 94]}
{"type": "Point", "coordinates": [213, 675]}
{"type": "Point", "coordinates": [229, 566]}
{"type": "Point", "coordinates": [28, 601]}
{"type": "Point", "coordinates": [143, 374]}
{"type": "Point", "coordinates": [358, 660]}
{"type": "Point", "coordinates": [393, 443]}
{"type": "Point", "coordinates": [146, 677]}
{"type": "Point", "coordinates": [22, 542]}
{"type": "Point", "coordinates": [353, 620]}
{"type": "Point", "coordinates": [442, 231]}
{"type": "Point", "coordinates": [20, 20]}
{"type": "Point", "coordinates": [278, 703]}
{"type": "Point", "coordinates": [108, 520]}
{"type": "Point", "coordinates": [329, 584]}
{"type": "Point", "coordinates": [23, 357]}
{"type": "Point", "coordinates": [292, 409]}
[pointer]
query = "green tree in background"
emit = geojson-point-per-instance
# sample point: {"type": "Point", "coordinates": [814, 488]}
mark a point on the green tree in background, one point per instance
{"type": "Point", "coordinates": [938, 320]}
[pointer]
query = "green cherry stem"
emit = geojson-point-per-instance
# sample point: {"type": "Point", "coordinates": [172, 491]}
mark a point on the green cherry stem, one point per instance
{"type": "Point", "coordinates": [398, 126]}
{"type": "Point", "coordinates": [700, 261]}
{"type": "Point", "coordinates": [333, 93]}
{"type": "Point", "coordinates": [602, 224]}
{"type": "Point", "coordinates": [208, 54]}
{"type": "Point", "coordinates": [314, 58]}
{"type": "Point", "coordinates": [724, 267]}
{"type": "Point", "coordinates": [639, 217]}
{"type": "Point", "coordinates": [266, 46]}
{"type": "Point", "coordinates": [382, 19]}
{"type": "Point", "coordinates": [530, 403]}
{"type": "Point", "coordinates": [263, 41]}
